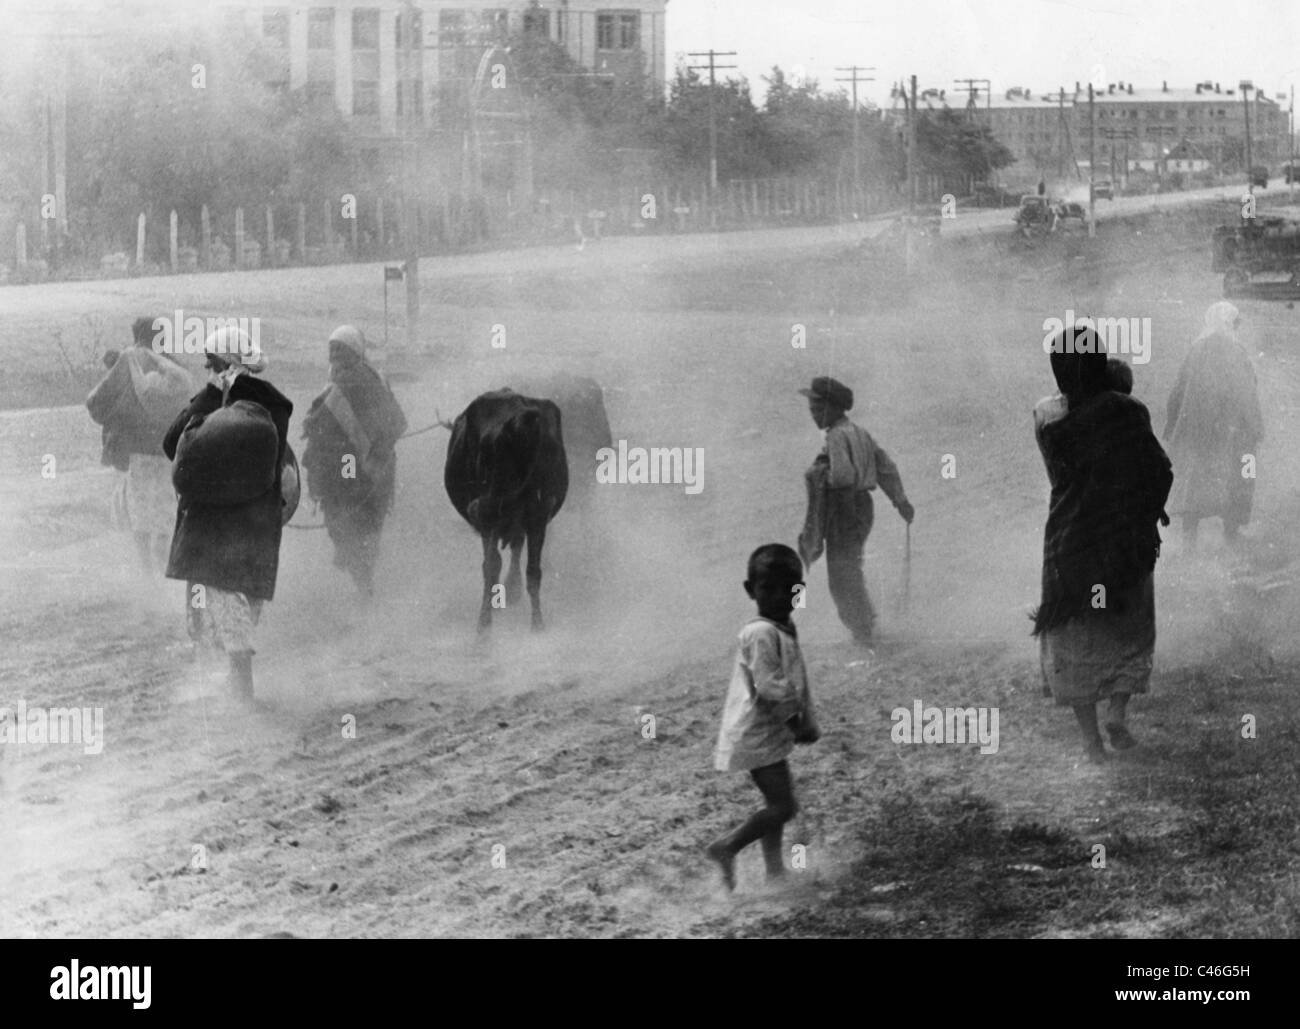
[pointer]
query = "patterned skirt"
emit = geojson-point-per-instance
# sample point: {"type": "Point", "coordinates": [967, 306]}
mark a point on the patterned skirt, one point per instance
{"type": "Point", "coordinates": [1104, 651]}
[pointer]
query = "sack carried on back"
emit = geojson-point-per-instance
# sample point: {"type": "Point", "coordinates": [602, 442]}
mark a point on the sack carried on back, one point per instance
{"type": "Point", "coordinates": [228, 457]}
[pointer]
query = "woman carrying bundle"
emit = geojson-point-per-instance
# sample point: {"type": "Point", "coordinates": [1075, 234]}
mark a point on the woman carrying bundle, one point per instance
{"type": "Point", "coordinates": [229, 442]}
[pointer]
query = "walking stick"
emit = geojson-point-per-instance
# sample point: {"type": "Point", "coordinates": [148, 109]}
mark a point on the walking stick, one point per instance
{"type": "Point", "coordinates": [907, 569]}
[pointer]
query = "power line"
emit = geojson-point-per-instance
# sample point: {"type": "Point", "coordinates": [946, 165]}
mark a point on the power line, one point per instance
{"type": "Point", "coordinates": [855, 78]}
{"type": "Point", "coordinates": [714, 68]}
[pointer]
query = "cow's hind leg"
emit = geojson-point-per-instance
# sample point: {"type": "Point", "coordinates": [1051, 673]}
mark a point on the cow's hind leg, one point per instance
{"type": "Point", "coordinates": [491, 571]}
{"type": "Point", "coordinates": [536, 538]}
{"type": "Point", "coordinates": [514, 583]}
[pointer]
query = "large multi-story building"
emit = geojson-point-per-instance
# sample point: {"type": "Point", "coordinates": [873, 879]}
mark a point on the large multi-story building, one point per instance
{"type": "Point", "coordinates": [354, 53]}
{"type": "Point", "coordinates": [1149, 128]}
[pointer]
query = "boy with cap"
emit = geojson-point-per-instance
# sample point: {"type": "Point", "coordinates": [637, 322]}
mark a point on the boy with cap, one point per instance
{"type": "Point", "coordinates": [840, 510]}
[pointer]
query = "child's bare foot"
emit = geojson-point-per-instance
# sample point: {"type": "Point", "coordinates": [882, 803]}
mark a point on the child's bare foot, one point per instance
{"type": "Point", "coordinates": [726, 860]}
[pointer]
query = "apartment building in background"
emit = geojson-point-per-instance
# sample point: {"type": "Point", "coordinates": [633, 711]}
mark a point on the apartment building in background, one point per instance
{"type": "Point", "coordinates": [1162, 129]}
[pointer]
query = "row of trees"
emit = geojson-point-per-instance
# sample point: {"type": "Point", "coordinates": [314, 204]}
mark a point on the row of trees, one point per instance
{"type": "Point", "coordinates": [157, 123]}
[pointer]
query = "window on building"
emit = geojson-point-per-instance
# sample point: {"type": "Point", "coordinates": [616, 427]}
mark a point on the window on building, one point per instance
{"type": "Point", "coordinates": [365, 97]}
{"type": "Point", "coordinates": [495, 23]}
{"type": "Point", "coordinates": [418, 25]}
{"type": "Point", "coordinates": [275, 26]}
{"type": "Point", "coordinates": [319, 94]}
{"type": "Point", "coordinates": [452, 26]}
{"type": "Point", "coordinates": [411, 89]}
{"type": "Point", "coordinates": [320, 28]}
{"type": "Point", "coordinates": [365, 28]}
{"type": "Point", "coordinates": [537, 22]}
{"type": "Point", "coordinates": [618, 30]}
{"type": "Point", "coordinates": [604, 31]}
{"type": "Point", "coordinates": [629, 30]}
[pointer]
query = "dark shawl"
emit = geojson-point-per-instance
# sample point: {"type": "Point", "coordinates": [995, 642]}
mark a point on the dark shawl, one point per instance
{"type": "Point", "coordinates": [380, 418]}
{"type": "Point", "coordinates": [1110, 479]}
{"type": "Point", "coordinates": [233, 548]}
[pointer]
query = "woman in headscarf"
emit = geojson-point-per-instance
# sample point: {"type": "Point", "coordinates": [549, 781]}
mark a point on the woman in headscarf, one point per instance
{"type": "Point", "coordinates": [1109, 477]}
{"type": "Point", "coordinates": [229, 554]}
{"type": "Point", "coordinates": [135, 403]}
{"type": "Point", "coordinates": [351, 459]}
{"type": "Point", "coordinates": [1213, 422]}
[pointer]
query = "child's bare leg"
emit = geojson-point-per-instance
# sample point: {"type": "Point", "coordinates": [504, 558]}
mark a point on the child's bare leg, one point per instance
{"type": "Point", "coordinates": [778, 790]}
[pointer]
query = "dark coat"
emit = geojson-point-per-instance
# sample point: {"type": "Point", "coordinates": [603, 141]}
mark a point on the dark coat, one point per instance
{"type": "Point", "coordinates": [231, 548]}
{"type": "Point", "coordinates": [1109, 479]}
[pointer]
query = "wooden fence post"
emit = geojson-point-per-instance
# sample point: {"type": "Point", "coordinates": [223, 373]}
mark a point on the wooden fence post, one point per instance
{"type": "Point", "coordinates": [239, 237]}
{"type": "Point", "coordinates": [270, 236]}
{"type": "Point", "coordinates": [205, 238]}
{"type": "Point", "coordinates": [173, 239]}
{"type": "Point", "coordinates": [139, 240]}
{"type": "Point", "coordinates": [302, 233]}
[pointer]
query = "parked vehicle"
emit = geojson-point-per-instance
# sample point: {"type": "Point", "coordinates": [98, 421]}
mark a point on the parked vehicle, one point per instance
{"type": "Point", "coordinates": [1259, 176]}
{"type": "Point", "coordinates": [1103, 190]}
{"type": "Point", "coordinates": [1258, 255]}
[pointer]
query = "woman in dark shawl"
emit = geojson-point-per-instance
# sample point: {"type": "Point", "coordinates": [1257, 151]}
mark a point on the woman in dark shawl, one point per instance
{"type": "Point", "coordinates": [351, 460]}
{"type": "Point", "coordinates": [1109, 479]}
{"type": "Point", "coordinates": [1213, 422]}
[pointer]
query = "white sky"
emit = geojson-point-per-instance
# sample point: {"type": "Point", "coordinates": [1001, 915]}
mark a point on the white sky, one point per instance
{"type": "Point", "coordinates": [1041, 44]}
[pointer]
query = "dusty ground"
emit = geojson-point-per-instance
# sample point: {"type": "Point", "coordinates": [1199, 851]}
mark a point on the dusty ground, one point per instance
{"type": "Point", "coordinates": [529, 753]}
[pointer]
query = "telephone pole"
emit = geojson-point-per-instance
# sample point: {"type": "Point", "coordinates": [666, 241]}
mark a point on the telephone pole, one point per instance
{"type": "Point", "coordinates": [1092, 165]}
{"type": "Point", "coordinates": [411, 175]}
{"type": "Point", "coordinates": [853, 71]}
{"type": "Point", "coordinates": [1246, 87]}
{"type": "Point", "coordinates": [972, 90]}
{"type": "Point", "coordinates": [714, 68]}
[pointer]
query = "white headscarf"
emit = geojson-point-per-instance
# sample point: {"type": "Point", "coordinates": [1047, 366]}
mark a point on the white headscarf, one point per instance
{"type": "Point", "coordinates": [232, 345]}
{"type": "Point", "coordinates": [1221, 320]}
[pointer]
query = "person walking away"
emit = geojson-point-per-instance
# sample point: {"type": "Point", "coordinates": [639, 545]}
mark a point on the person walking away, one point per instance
{"type": "Point", "coordinates": [229, 555]}
{"type": "Point", "coordinates": [135, 403]}
{"type": "Point", "coordinates": [1109, 478]}
{"type": "Point", "coordinates": [840, 510]}
{"type": "Point", "coordinates": [768, 710]}
{"type": "Point", "coordinates": [356, 417]}
{"type": "Point", "coordinates": [1213, 421]}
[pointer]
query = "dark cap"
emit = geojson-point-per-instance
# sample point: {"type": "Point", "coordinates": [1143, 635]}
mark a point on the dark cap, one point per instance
{"type": "Point", "coordinates": [832, 391]}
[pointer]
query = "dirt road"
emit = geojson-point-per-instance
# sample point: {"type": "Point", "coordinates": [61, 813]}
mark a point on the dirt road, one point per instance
{"type": "Point", "coordinates": [513, 789]}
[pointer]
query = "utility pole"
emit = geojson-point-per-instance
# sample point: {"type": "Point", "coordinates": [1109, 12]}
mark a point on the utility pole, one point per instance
{"type": "Point", "coordinates": [714, 68]}
{"type": "Point", "coordinates": [1092, 161]}
{"type": "Point", "coordinates": [909, 237]}
{"type": "Point", "coordinates": [1245, 99]}
{"type": "Point", "coordinates": [853, 71]}
{"type": "Point", "coordinates": [1290, 149]}
{"type": "Point", "coordinates": [972, 89]}
{"type": "Point", "coordinates": [410, 166]}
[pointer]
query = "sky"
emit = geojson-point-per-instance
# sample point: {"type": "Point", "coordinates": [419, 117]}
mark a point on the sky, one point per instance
{"type": "Point", "coordinates": [1039, 44]}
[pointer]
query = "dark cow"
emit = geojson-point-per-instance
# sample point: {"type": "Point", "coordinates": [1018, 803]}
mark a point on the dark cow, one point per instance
{"type": "Point", "coordinates": [586, 427]}
{"type": "Point", "coordinates": [507, 475]}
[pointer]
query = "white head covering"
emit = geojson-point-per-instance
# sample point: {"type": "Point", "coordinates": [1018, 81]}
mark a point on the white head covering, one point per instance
{"type": "Point", "coordinates": [1221, 319]}
{"type": "Point", "coordinates": [351, 337]}
{"type": "Point", "coordinates": [233, 345]}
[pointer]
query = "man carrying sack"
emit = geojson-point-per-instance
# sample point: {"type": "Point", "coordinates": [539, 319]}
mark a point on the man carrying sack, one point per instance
{"type": "Point", "coordinates": [840, 510]}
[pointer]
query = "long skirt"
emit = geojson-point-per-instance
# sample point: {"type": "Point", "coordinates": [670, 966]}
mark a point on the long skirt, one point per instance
{"type": "Point", "coordinates": [1105, 651]}
{"type": "Point", "coordinates": [150, 498]}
